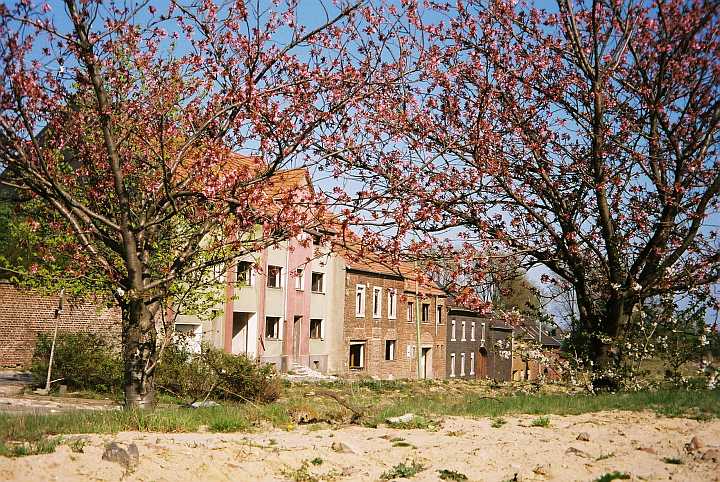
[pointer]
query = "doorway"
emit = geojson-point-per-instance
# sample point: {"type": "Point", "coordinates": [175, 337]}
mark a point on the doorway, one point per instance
{"type": "Point", "coordinates": [426, 362]}
{"type": "Point", "coordinates": [297, 334]}
{"type": "Point", "coordinates": [243, 333]}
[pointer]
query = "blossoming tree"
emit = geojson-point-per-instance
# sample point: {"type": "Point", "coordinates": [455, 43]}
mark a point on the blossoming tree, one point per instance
{"type": "Point", "coordinates": [583, 139]}
{"type": "Point", "coordinates": [156, 134]}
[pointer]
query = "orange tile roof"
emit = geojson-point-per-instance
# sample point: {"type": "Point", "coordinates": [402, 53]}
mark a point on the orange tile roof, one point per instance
{"type": "Point", "coordinates": [373, 263]}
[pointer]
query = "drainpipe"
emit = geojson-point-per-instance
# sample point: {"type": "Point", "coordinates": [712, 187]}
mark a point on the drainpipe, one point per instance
{"type": "Point", "coordinates": [417, 324]}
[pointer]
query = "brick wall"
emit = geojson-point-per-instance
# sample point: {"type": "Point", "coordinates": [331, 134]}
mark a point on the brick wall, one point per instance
{"type": "Point", "coordinates": [375, 332]}
{"type": "Point", "coordinates": [25, 313]}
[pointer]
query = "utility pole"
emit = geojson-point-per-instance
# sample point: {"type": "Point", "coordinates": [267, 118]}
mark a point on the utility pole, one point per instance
{"type": "Point", "coordinates": [58, 312]}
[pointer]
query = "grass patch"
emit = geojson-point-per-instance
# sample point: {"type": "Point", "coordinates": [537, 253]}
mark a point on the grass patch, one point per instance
{"type": "Point", "coordinates": [446, 474]}
{"type": "Point", "coordinates": [541, 422]}
{"type": "Point", "coordinates": [403, 471]}
{"type": "Point", "coordinates": [610, 476]}
{"type": "Point", "coordinates": [429, 400]}
{"type": "Point", "coordinates": [673, 460]}
{"type": "Point", "coordinates": [498, 422]}
{"type": "Point", "coordinates": [403, 444]}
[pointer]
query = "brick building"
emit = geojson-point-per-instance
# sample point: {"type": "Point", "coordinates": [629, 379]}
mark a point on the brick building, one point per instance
{"type": "Point", "coordinates": [25, 313]}
{"type": "Point", "coordinates": [379, 331]}
{"type": "Point", "coordinates": [477, 346]}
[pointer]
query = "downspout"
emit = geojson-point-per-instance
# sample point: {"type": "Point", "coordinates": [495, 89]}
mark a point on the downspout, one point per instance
{"type": "Point", "coordinates": [417, 324]}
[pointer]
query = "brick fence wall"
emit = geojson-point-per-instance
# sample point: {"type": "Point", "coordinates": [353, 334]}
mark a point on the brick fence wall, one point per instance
{"type": "Point", "coordinates": [25, 313]}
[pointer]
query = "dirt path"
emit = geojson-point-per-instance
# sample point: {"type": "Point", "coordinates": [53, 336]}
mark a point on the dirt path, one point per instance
{"type": "Point", "coordinates": [471, 447]}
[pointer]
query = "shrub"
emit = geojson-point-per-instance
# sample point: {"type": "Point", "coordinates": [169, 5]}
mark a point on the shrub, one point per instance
{"type": "Point", "coordinates": [238, 377]}
{"type": "Point", "coordinates": [85, 361]}
{"type": "Point", "coordinates": [217, 373]}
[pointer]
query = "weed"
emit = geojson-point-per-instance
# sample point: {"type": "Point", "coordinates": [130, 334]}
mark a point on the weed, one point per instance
{"type": "Point", "coordinates": [673, 460]}
{"type": "Point", "coordinates": [316, 461]}
{"type": "Point", "coordinates": [35, 447]}
{"type": "Point", "coordinates": [455, 433]}
{"type": "Point", "coordinates": [229, 425]}
{"type": "Point", "coordinates": [77, 445]}
{"type": "Point", "coordinates": [605, 456]}
{"type": "Point", "coordinates": [403, 444]}
{"type": "Point", "coordinates": [417, 422]}
{"type": "Point", "coordinates": [446, 474]}
{"type": "Point", "coordinates": [498, 422]}
{"type": "Point", "coordinates": [301, 474]}
{"type": "Point", "coordinates": [403, 471]}
{"type": "Point", "coordinates": [541, 422]}
{"type": "Point", "coordinates": [397, 439]}
{"type": "Point", "coordinates": [610, 476]}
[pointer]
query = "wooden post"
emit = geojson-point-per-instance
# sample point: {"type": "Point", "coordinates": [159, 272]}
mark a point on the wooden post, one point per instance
{"type": "Point", "coordinates": [58, 312]}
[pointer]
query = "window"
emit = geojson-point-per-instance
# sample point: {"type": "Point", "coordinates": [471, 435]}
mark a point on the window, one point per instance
{"type": "Point", "coordinates": [316, 329]}
{"type": "Point", "coordinates": [482, 336]}
{"type": "Point", "coordinates": [272, 327]}
{"type": "Point", "coordinates": [439, 318]}
{"type": "Point", "coordinates": [274, 277]}
{"type": "Point", "coordinates": [318, 282]}
{"type": "Point", "coordinates": [389, 350]}
{"type": "Point", "coordinates": [377, 302]}
{"type": "Point", "coordinates": [244, 273]}
{"type": "Point", "coordinates": [188, 336]}
{"type": "Point", "coordinates": [425, 313]}
{"type": "Point", "coordinates": [410, 311]}
{"type": "Point", "coordinates": [357, 355]}
{"type": "Point", "coordinates": [462, 330]}
{"type": "Point", "coordinates": [462, 364]}
{"type": "Point", "coordinates": [472, 331]}
{"type": "Point", "coordinates": [300, 279]}
{"type": "Point", "coordinates": [218, 271]}
{"type": "Point", "coordinates": [452, 330]}
{"type": "Point", "coordinates": [392, 303]}
{"type": "Point", "coordinates": [472, 363]}
{"type": "Point", "coordinates": [360, 301]}
{"type": "Point", "coordinates": [452, 364]}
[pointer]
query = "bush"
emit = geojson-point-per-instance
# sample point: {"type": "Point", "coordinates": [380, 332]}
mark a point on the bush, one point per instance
{"type": "Point", "coordinates": [85, 361]}
{"type": "Point", "coordinates": [217, 373]}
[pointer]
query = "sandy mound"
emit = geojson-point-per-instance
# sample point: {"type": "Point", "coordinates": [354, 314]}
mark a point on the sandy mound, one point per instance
{"type": "Point", "coordinates": [639, 444]}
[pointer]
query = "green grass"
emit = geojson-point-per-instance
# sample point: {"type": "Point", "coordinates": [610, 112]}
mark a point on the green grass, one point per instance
{"type": "Point", "coordinates": [610, 476]}
{"type": "Point", "coordinates": [382, 399]}
{"type": "Point", "coordinates": [403, 471]}
{"type": "Point", "coordinates": [541, 422]}
{"type": "Point", "coordinates": [498, 422]}
{"type": "Point", "coordinates": [446, 474]}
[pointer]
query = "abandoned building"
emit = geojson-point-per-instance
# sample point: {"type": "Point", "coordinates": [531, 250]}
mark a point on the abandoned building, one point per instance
{"type": "Point", "coordinates": [478, 347]}
{"type": "Point", "coordinates": [379, 329]}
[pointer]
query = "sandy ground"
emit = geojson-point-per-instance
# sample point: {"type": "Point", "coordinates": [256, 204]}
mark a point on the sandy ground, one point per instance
{"type": "Point", "coordinates": [622, 441]}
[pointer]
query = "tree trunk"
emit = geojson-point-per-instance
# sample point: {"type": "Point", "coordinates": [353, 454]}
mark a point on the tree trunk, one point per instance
{"type": "Point", "coordinates": [139, 353]}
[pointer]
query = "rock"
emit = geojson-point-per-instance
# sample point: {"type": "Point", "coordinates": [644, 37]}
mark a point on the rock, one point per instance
{"type": "Point", "coordinates": [649, 450]}
{"type": "Point", "coordinates": [583, 437]}
{"type": "Point", "coordinates": [696, 443]}
{"type": "Point", "coordinates": [343, 448]}
{"type": "Point", "coordinates": [401, 419]}
{"type": "Point", "coordinates": [578, 452]}
{"type": "Point", "coordinates": [128, 458]}
{"type": "Point", "coordinates": [206, 403]}
{"type": "Point", "coordinates": [711, 455]}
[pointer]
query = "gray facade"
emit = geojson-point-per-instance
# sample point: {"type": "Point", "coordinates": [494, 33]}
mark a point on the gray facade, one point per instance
{"type": "Point", "coordinates": [477, 346]}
